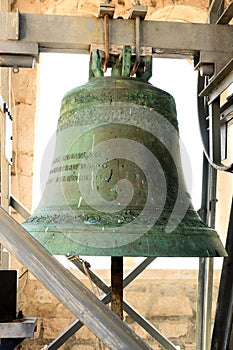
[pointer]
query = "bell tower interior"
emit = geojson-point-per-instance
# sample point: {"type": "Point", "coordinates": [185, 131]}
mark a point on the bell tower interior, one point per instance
{"type": "Point", "coordinates": [117, 225]}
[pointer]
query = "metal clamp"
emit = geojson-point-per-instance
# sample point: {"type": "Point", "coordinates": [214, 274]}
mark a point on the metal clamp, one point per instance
{"type": "Point", "coordinates": [138, 12]}
{"type": "Point", "coordinates": [119, 58]}
{"type": "Point", "coordinates": [106, 11]}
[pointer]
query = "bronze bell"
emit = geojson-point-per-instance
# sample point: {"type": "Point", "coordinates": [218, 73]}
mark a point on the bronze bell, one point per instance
{"type": "Point", "coordinates": [116, 185]}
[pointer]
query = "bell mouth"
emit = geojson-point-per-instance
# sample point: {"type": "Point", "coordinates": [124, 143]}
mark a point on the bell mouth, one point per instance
{"type": "Point", "coordinates": [91, 234]}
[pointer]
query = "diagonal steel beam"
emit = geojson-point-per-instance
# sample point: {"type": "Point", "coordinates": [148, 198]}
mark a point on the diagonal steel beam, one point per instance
{"type": "Point", "coordinates": [215, 10]}
{"type": "Point", "coordinates": [67, 288]}
{"type": "Point", "coordinates": [106, 299]}
{"type": "Point", "coordinates": [130, 276]}
{"type": "Point", "coordinates": [127, 308]}
{"type": "Point", "coordinates": [19, 207]}
{"type": "Point", "coordinates": [227, 15]}
{"type": "Point", "coordinates": [76, 325]}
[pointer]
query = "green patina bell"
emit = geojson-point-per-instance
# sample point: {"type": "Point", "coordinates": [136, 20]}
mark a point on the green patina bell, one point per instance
{"type": "Point", "coordinates": [116, 185]}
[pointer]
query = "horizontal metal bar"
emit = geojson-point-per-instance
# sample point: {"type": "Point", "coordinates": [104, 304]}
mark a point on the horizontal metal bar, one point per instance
{"type": "Point", "coordinates": [67, 288]}
{"type": "Point", "coordinates": [227, 15]}
{"type": "Point", "coordinates": [17, 61]}
{"type": "Point", "coordinates": [21, 329]}
{"type": "Point", "coordinates": [19, 207]}
{"type": "Point", "coordinates": [18, 48]}
{"type": "Point", "coordinates": [76, 34]}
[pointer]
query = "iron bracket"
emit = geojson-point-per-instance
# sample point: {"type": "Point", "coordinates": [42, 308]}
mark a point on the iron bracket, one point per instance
{"type": "Point", "coordinates": [216, 60]}
{"type": "Point", "coordinates": [106, 9]}
{"type": "Point", "coordinates": [10, 25]}
{"type": "Point", "coordinates": [138, 11]}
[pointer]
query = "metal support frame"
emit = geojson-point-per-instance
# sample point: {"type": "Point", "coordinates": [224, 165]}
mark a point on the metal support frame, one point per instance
{"type": "Point", "coordinates": [215, 10]}
{"type": "Point", "coordinates": [107, 298]}
{"type": "Point", "coordinates": [4, 172]}
{"type": "Point", "coordinates": [21, 329]}
{"type": "Point", "coordinates": [24, 36]}
{"type": "Point", "coordinates": [76, 34]}
{"type": "Point", "coordinates": [76, 325]}
{"type": "Point", "coordinates": [19, 207]}
{"type": "Point", "coordinates": [223, 319]}
{"type": "Point", "coordinates": [215, 151]}
{"type": "Point", "coordinates": [205, 275]}
{"type": "Point", "coordinates": [67, 288]}
{"type": "Point", "coordinates": [227, 15]}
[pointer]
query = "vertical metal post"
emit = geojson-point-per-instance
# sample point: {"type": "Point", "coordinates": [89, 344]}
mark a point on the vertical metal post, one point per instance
{"type": "Point", "coordinates": [223, 318]}
{"type": "Point", "coordinates": [202, 304]}
{"type": "Point", "coordinates": [205, 277]}
{"type": "Point", "coordinates": [215, 153]}
{"type": "Point", "coordinates": [5, 169]}
{"type": "Point", "coordinates": [4, 72]}
{"type": "Point", "coordinates": [201, 296]}
{"type": "Point", "coordinates": [212, 144]}
{"type": "Point", "coordinates": [117, 285]}
{"type": "Point", "coordinates": [213, 185]}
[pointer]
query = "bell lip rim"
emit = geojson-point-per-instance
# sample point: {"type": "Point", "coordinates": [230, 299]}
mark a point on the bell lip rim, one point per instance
{"type": "Point", "coordinates": [214, 248]}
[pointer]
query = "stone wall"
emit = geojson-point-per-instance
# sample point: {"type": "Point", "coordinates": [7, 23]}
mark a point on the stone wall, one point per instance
{"type": "Point", "coordinates": [167, 298]}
